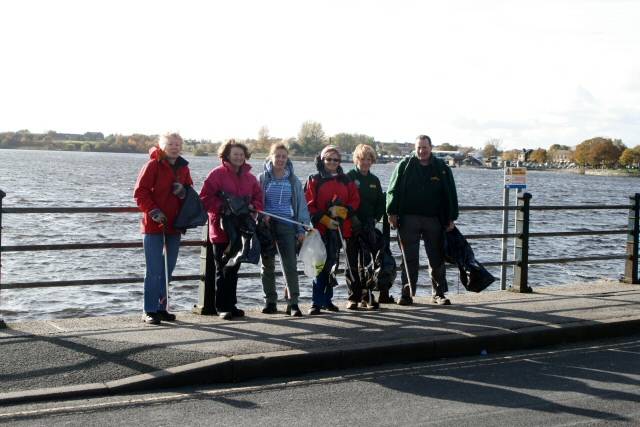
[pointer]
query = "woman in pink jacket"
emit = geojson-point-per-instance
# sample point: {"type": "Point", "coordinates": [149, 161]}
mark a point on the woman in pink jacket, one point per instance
{"type": "Point", "coordinates": [233, 178]}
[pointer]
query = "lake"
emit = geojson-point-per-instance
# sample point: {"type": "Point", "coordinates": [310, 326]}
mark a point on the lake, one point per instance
{"type": "Point", "coordinates": [78, 179]}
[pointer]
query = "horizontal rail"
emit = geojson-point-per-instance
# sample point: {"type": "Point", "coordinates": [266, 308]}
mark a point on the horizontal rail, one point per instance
{"type": "Point", "coordinates": [76, 246]}
{"type": "Point", "coordinates": [576, 259]}
{"type": "Point", "coordinates": [126, 245]}
{"type": "Point", "coordinates": [578, 233]}
{"type": "Point", "coordinates": [96, 209]}
{"type": "Point", "coordinates": [577, 207]}
{"type": "Point", "coordinates": [131, 209]}
{"type": "Point", "coordinates": [123, 280]}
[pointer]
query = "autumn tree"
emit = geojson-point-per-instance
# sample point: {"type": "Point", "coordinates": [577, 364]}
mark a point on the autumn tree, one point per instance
{"type": "Point", "coordinates": [630, 157]}
{"type": "Point", "coordinates": [446, 147]}
{"type": "Point", "coordinates": [538, 155]}
{"type": "Point", "coordinates": [510, 155]}
{"type": "Point", "coordinates": [490, 150]}
{"type": "Point", "coordinates": [347, 142]}
{"type": "Point", "coordinates": [599, 152]}
{"type": "Point", "coordinates": [311, 137]}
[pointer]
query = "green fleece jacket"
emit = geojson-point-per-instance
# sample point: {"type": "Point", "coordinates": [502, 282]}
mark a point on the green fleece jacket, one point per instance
{"type": "Point", "coordinates": [423, 190]}
{"type": "Point", "coordinates": [371, 195]}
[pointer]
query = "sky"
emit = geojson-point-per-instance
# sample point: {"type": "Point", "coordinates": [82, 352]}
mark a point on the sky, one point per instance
{"type": "Point", "coordinates": [529, 73]}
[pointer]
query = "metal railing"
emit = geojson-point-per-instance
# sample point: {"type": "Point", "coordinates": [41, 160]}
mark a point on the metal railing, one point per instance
{"type": "Point", "coordinates": [521, 237]}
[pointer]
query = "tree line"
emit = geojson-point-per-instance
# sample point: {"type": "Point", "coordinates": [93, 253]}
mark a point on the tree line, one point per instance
{"type": "Point", "coordinates": [594, 152]}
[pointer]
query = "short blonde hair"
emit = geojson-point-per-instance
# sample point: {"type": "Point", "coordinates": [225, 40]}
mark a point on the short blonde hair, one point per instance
{"type": "Point", "coordinates": [363, 150]}
{"type": "Point", "coordinates": [164, 139]}
{"type": "Point", "coordinates": [225, 149]}
{"type": "Point", "coordinates": [277, 146]}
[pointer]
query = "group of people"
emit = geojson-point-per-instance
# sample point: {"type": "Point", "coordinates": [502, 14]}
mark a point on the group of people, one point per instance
{"type": "Point", "coordinates": [421, 203]}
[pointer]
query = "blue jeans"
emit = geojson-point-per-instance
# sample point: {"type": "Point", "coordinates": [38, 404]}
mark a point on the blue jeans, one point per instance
{"type": "Point", "coordinates": [322, 291]}
{"type": "Point", "coordinates": [155, 297]}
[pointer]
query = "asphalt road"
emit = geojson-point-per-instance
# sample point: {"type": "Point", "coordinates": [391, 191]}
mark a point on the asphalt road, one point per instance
{"type": "Point", "coordinates": [596, 383]}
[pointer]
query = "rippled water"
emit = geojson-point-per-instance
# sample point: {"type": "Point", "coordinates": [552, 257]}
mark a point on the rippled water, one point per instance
{"type": "Point", "coordinates": [75, 179]}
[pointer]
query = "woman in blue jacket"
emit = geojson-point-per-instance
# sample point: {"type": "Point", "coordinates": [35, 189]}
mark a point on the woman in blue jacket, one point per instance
{"type": "Point", "coordinates": [284, 197]}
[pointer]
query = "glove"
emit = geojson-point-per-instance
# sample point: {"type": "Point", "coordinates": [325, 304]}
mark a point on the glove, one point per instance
{"type": "Point", "coordinates": [158, 216]}
{"type": "Point", "coordinates": [178, 190]}
{"type": "Point", "coordinates": [328, 222]}
{"type": "Point", "coordinates": [338, 212]}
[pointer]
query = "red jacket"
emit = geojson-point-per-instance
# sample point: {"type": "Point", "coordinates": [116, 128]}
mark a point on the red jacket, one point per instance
{"type": "Point", "coordinates": [153, 190]}
{"type": "Point", "coordinates": [223, 178]}
{"type": "Point", "coordinates": [339, 188]}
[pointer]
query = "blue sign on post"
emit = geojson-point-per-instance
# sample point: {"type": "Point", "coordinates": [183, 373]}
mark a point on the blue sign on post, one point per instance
{"type": "Point", "coordinates": [515, 178]}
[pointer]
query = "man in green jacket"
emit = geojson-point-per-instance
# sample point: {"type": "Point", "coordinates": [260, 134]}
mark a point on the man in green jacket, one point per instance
{"type": "Point", "coordinates": [422, 203]}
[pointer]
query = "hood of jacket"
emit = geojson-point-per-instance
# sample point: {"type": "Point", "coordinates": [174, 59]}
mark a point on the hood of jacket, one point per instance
{"type": "Point", "coordinates": [268, 169]}
{"type": "Point", "coordinates": [156, 153]}
{"type": "Point", "coordinates": [323, 172]}
{"type": "Point", "coordinates": [245, 168]}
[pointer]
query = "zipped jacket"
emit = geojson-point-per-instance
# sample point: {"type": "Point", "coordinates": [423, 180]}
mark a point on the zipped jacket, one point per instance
{"type": "Point", "coordinates": [298, 201]}
{"type": "Point", "coordinates": [223, 178]}
{"type": "Point", "coordinates": [409, 170]}
{"type": "Point", "coordinates": [323, 190]}
{"type": "Point", "coordinates": [154, 190]}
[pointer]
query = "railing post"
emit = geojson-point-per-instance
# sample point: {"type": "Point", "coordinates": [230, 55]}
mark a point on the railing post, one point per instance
{"type": "Point", "coordinates": [521, 269]}
{"type": "Point", "coordinates": [2, 195]}
{"type": "Point", "coordinates": [631, 264]}
{"type": "Point", "coordinates": [206, 291]}
{"type": "Point", "coordinates": [505, 243]}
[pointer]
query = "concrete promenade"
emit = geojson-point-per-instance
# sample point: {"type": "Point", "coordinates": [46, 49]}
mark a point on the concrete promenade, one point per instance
{"type": "Point", "coordinates": [71, 358]}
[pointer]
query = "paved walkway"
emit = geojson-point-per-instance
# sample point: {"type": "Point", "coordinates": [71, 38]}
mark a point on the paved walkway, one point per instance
{"type": "Point", "coordinates": [104, 355]}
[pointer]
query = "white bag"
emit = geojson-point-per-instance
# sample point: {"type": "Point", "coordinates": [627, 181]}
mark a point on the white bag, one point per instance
{"type": "Point", "coordinates": [313, 254]}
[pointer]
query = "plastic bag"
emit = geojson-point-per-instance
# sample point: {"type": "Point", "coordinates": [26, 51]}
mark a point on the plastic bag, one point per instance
{"type": "Point", "coordinates": [313, 254]}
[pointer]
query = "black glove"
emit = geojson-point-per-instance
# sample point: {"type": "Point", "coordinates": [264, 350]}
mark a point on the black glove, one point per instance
{"type": "Point", "coordinates": [158, 216]}
{"type": "Point", "coordinates": [178, 190]}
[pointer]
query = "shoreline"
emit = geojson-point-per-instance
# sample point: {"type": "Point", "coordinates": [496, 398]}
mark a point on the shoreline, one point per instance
{"type": "Point", "coordinates": [262, 156]}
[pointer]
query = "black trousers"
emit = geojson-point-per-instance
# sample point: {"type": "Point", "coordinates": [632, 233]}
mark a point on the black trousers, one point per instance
{"type": "Point", "coordinates": [226, 281]}
{"type": "Point", "coordinates": [357, 272]}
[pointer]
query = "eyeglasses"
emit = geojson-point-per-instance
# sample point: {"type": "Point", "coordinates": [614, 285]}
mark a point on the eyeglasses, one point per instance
{"type": "Point", "coordinates": [331, 159]}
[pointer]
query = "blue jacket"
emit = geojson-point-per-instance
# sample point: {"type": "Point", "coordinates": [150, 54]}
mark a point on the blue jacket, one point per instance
{"type": "Point", "coordinates": [298, 201]}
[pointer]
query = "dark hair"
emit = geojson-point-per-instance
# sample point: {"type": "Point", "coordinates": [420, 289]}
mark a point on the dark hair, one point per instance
{"type": "Point", "coordinates": [225, 149]}
{"type": "Point", "coordinates": [424, 138]}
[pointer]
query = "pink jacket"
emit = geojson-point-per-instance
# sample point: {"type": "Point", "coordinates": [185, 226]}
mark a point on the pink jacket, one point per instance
{"type": "Point", "coordinates": [223, 178]}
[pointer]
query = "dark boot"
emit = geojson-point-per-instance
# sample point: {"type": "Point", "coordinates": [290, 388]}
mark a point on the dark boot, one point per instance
{"type": "Point", "coordinates": [270, 308]}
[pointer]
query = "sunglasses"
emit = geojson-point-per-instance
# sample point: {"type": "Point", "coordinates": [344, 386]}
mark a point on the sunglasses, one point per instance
{"type": "Point", "coordinates": [331, 159]}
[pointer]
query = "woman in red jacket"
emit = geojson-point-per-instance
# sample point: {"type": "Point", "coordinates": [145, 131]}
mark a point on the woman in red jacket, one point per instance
{"type": "Point", "coordinates": [233, 178]}
{"type": "Point", "coordinates": [332, 198]}
{"type": "Point", "coordinates": [158, 193]}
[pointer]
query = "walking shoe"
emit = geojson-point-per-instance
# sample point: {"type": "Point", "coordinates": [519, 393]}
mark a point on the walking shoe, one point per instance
{"type": "Point", "coordinates": [166, 316]}
{"type": "Point", "coordinates": [332, 307]}
{"type": "Point", "coordinates": [151, 318]}
{"type": "Point", "coordinates": [294, 311]}
{"type": "Point", "coordinates": [440, 300]}
{"type": "Point", "coordinates": [225, 315]}
{"type": "Point", "coordinates": [236, 312]}
{"type": "Point", "coordinates": [373, 305]}
{"type": "Point", "coordinates": [352, 305]}
{"type": "Point", "coordinates": [270, 308]}
{"type": "Point", "coordinates": [385, 298]}
{"type": "Point", "coordinates": [314, 310]}
{"type": "Point", "coordinates": [405, 300]}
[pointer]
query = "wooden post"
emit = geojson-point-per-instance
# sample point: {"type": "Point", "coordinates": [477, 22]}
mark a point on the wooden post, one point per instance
{"type": "Point", "coordinates": [521, 270]}
{"type": "Point", "coordinates": [631, 264]}
{"type": "Point", "coordinates": [2, 195]}
{"type": "Point", "coordinates": [206, 291]}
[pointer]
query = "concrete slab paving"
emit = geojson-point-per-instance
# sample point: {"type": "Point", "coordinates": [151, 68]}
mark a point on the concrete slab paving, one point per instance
{"type": "Point", "coordinates": [117, 350]}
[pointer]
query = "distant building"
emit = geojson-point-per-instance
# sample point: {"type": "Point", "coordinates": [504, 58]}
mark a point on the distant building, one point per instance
{"type": "Point", "coordinates": [561, 156]}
